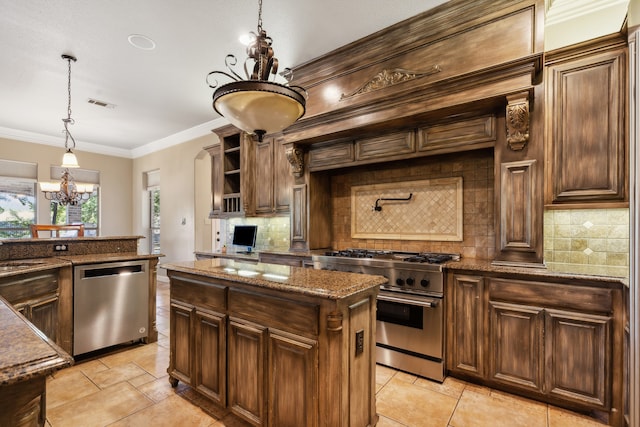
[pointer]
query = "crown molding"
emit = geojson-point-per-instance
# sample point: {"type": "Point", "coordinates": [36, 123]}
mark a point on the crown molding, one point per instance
{"type": "Point", "coordinates": [151, 147]}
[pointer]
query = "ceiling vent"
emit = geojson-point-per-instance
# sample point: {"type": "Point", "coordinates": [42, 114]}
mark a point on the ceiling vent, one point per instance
{"type": "Point", "coordinates": [100, 103]}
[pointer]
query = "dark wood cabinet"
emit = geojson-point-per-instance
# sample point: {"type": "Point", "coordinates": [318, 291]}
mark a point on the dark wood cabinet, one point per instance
{"type": "Point", "coordinates": [578, 343]}
{"type": "Point", "coordinates": [231, 167]}
{"type": "Point", "coordinates": [37, 296]}
{"type": "Point", "coordinates": [586, 123]}
{"type": "Point", "coordinates": [516, 345]}
{"type": "Point", "coordinates": [272, 178]}
{"type": "Point", "coordinates": [210, 355]}
{"type": "Point", "coordinates": [292, 380]}
{"type": "Point", "coordinates": [542, 338]}
{"type": "Point", "coordinates": [247, 360]}
{"type": "Point", "coordinates": [255, 352]}
{"type": "Point", "coordinates": [466, 352]}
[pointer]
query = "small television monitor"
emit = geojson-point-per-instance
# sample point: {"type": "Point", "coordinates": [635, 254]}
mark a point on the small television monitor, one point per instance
{"type": "Point", "coordinates": [245, 235]}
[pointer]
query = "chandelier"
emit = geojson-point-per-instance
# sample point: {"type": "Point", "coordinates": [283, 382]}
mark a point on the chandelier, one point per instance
{"type": "Point", "coordinates": [67, 192]}
{"type": "Point", "coordinates": [256, 105]}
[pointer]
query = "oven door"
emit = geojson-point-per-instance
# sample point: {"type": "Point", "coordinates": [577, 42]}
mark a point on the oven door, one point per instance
{"type": "Point", "coordinates": [410, 323]}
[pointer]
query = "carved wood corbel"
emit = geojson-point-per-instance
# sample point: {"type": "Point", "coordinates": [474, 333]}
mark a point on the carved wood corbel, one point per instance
{"type": "Point", "coordinates": [295, 156]}
{"type": "Point", "coordinates": [518, 121]}
{"type": "Point", "coordinates": [334, 322]}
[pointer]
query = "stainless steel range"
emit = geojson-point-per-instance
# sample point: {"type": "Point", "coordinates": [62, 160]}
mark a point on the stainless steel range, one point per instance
{"type": "Point", "coordinates": [410, 315]}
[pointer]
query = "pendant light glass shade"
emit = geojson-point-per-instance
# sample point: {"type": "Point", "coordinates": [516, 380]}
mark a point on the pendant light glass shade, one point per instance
{"type": "Point", "coordinates": [69, 160]}
{"type": "Point", "coordinates": [259, 107]}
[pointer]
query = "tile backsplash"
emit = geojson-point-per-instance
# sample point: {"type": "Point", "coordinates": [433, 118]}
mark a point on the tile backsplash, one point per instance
{"type": "Point", "coordinates": [587, 240]}
{"type": "Point", "coordinates": [476, 170]}
{"type": "Point", "coordinates": [273, 232]}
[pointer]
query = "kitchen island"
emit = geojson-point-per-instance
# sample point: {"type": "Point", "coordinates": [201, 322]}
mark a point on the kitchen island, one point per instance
{"type": "Point", "coordinates": [274, 344]}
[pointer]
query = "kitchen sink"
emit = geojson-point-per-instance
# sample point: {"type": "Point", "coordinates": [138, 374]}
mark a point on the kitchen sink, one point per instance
{"type": "Point", "coordinates": [18, 264]}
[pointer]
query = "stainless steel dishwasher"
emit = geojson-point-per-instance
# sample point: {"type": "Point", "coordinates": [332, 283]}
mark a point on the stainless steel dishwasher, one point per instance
{"type": "Point", "coordinates": [110, 304]}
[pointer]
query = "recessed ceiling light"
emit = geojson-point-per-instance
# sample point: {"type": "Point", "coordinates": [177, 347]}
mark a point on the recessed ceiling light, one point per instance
{"type": "Point", "coordinates": [141, 42]}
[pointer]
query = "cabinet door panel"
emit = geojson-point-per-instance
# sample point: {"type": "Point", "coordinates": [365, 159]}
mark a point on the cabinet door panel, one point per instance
{"type": "Point", "coordinates": [210, 355]}
{"type": "Point", "coordinates": [578, 349]}
{"type": "Point", "coordinates": [516, 341]}
{"type": "Point", "coordinates": [282, 178]}
{"type": "Point", "coordinates": [587, 125]}
{"type": "Point", "coordinates": [44, 316]}
{"type": "Point", "coordinates": [292, 380]}
{"type": "Point", "coordinates": [264, 176]}
{"type": "Point", "coordinates": [180, 342]}
{"type": "Point", "coordinates": [466, 349]}
{"type": "Point", "coordinates": [247, 359]}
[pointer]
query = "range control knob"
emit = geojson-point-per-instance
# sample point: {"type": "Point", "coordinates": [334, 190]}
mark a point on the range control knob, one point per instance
{"type": "Point", "coordinates": [424, 283]}
{"type": "Point", "coordinates": [399, 282]}
{"type": "Point", "coordinates": [410, 281]}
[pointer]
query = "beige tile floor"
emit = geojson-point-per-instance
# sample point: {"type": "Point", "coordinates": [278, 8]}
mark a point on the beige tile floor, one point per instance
{"type": "Point", "coordinates": [131, 388]}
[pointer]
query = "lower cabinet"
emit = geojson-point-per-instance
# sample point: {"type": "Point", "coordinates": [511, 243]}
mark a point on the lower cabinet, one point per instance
{"type": "Point", "coordinates": [546, 340]}
{"type": "Point", "coordinates": [257, 370]}
{"type": "Point", "coordinates": [36, 296]}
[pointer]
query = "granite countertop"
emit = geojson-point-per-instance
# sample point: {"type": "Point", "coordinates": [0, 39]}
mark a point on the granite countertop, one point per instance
{"type": "Point", "coordinates": [21, 266]}
{"type": "Point", "coordinates": [108, 257]}
{"type": "Point", "coordinates": [307, 281]}
{"type": "Point", "coordinates": [68, 239]}
{"type": "Point", "coordinates": [26, 353]}
{"type": "Point", "coordinates": [549, 272]}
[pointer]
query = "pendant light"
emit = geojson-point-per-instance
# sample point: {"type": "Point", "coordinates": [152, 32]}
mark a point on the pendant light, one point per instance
{"type": "Point", "coordinates": [256, 105]}
{"type": "Point", "coordinates": [67, 192]}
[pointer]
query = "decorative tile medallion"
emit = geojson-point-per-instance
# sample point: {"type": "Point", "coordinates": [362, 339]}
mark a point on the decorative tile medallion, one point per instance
{"type": "Point", "coordinates": [429, 209]}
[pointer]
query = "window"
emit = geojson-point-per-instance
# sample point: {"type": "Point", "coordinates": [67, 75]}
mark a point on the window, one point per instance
{"type": "Point", "coordinates": [17, 198]}
{"type": "Point", "coordinates": [86, 213]}
{"type": "Point", "coordinates": [152, 181]}
{"type": "Point", "coordinates": [154, 220]}
{"type": "Point", "coordinates": [17, 207]}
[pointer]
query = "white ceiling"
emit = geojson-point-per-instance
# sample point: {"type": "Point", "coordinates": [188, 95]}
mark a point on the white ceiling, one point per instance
{"type": "Point", "coordinates": [160, 96]}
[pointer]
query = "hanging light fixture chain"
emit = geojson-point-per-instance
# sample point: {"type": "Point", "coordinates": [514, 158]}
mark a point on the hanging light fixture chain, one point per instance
{"type": "Point", "coordinates": [259, 16]}
{"type": "Point", "coordinates": [68, 120]}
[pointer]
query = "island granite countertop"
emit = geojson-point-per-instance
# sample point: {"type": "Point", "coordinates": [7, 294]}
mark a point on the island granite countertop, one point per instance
{"type": "Point", "coordinates": [328, 284]}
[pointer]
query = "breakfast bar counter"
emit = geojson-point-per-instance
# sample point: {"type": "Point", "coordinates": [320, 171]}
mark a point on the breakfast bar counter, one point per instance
{"type": "Point", "coordinates": [275, 344]}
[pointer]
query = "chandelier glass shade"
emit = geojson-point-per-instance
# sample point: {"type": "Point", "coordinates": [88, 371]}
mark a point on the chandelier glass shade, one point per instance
{"type": "Point", "coordinates": [67, 192]}
{"type": "Point", "coordinates": [255, 104]}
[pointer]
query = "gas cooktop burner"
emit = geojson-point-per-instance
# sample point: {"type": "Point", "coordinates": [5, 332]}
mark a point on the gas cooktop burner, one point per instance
{"type": "Point", "coordinates": [422, 257]}
{"type": "Point", "coordinates": [430, 258]}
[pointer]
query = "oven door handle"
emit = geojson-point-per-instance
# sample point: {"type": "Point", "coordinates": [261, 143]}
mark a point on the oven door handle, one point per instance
{"type": "Point", "coordinates": [421, 302]}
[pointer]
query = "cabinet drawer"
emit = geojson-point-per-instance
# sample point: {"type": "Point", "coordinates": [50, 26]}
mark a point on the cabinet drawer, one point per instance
{"type": "Point", "coordinates": [206, 295]}
{"type": "Point", "coordinates": [16, 289]}
{"type": "Point", "coordinates": [274, 312]}
{"type": "Point", "coordinates": [554, 295]}
{"type": "Point", "coordinates": [467, 134]}
{"type": "Point", "coordinates": [387, 146]}
{"type": "Point", "coordinates": [330, 156]}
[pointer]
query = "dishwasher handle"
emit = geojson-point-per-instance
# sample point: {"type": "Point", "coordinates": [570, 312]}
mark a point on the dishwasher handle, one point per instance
{"type": "Point", "coordinates": [112, 270]}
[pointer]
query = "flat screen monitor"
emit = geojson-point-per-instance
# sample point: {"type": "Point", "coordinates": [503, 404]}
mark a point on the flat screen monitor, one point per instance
{"type": "Point", "coordinates": [245, 235]}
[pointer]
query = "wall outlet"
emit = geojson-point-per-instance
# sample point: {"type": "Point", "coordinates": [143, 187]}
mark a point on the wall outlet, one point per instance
{"type": "Point", "coordinates": [60, 248]}
{"type": "Point", "coordinates": [359, 342]}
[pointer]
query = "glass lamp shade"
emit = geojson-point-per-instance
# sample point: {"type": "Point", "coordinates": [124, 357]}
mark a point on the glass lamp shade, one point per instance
{"type": "Point", "coordinates": [50, 187]}
{"type": "Point", "coordinates": [258, 106]}
{"type": "Point", "coordinates": [69, 160]}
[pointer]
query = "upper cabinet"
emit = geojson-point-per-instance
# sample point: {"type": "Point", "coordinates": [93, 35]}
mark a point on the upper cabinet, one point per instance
{"type": "Point", "coordinates": [272, 178]}
{"type": "Point", "coordinates": [230, 170]}
{"type": "Point", "coordinates": [586, 124]}
{"type": "Point", "coordinates": [248, 177]}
